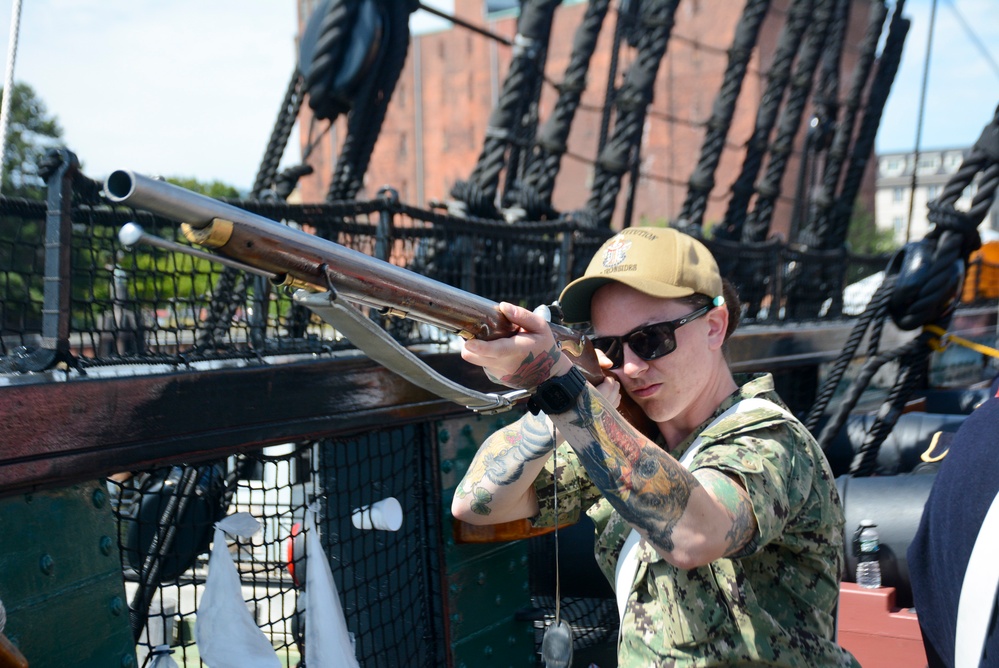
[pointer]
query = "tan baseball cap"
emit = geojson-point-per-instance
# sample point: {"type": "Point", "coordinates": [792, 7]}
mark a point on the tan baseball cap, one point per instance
{"type": "Point", "coordinates": [657, 261]}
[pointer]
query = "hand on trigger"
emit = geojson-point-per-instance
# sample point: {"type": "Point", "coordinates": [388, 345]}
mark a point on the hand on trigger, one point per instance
{"type": "Point", "coordinates": [523, 360]}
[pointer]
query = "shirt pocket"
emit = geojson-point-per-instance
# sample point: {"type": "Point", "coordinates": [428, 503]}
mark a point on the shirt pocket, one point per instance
{"type": "Point", "coordinates": [692, 609]}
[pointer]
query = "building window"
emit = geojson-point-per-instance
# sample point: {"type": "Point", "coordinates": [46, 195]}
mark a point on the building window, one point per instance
{"type": "Point", "coordinates": [928, 163]}
{"type": "Point", "coordinates": [898, 224]}
{"type": "Point", "coordinates": [932, 192]}
{"type": "Point", "coordinates": [892, 166]}
{"type": "Point", "coordinates": [897, 195]}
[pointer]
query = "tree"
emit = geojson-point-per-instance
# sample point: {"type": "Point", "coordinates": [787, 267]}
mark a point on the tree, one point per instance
{"type": "Point", "coordinates": [864, 237]}
{"type": "Point", "coordinates": [869, 245]}
{"type": "Point", "coordinates": [155, 278]}
{"type": "Point", "coordinates": [215, 189]}
{"type": "Point", "coordinates": [31, 133]}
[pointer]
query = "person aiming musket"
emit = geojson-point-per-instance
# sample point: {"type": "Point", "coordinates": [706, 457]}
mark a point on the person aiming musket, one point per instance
{"type": "Point", "coordinates": [722, 533]}
{"type": "Point", "coordinates": [718, 520]}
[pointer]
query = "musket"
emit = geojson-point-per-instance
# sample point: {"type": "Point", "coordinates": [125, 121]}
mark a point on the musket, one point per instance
{"type": "Point", "coordinates": [327, 273]}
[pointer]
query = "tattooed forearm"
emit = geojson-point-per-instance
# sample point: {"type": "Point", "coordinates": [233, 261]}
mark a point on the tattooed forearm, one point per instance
{"type": "Point", "coordinates": [533, 370]}
{"type": "Point", "coordinates": [501, 460]}
{"type": "Point", "coordinates": [736, 502]}
{"type": "Point", "coordinates": [524, 441]}
{"type": "Point", "coordinates": [648, 487]}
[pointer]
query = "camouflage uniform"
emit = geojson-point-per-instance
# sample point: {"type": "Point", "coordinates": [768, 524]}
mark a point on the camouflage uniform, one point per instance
{"type": "Point", "coordinates": [773, 605]}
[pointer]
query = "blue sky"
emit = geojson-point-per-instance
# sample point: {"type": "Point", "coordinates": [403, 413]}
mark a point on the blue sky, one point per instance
{"type": "Point", "coordinates": [962, 90]}
{"type": "Point", "coordinates": [192, 88]}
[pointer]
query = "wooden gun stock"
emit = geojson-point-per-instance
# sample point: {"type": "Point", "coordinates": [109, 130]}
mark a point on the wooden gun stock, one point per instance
{"type": "Point", "coordinates": [10, 656]}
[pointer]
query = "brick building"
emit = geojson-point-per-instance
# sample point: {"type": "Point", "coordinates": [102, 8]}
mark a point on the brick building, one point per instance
{"type": "Point", "coordinates": [437, 119]}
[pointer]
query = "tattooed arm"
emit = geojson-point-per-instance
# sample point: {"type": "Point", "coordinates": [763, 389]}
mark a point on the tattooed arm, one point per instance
{"type": "Point", "coordinates": [498, 486]}
{"type": "Point", "coordinates": [499, 483]}
{"type": "Point", "coordinates": [691, 519]}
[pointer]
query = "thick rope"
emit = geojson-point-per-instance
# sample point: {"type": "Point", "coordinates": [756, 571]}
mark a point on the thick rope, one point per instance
{"type": "Point", "coordinates": [535, 191]}
{"type": "Point", "coordinates": [632, 104]}
{"type": "Point", "coordinates": [287, 115]}
{"type": "Point", "coordinates": [821, 127]}
{"type": "Point", "coordinates": [863, 148]}
{"type": "Point", "coordinates": [912, 359]}
{"type": "Point", "coordinates": [231, 290]}
{"type": "Point", "coordinates": [702, 179]}
{"type": "Point", "coordinates": [476, 196]}
{"type": "Point", "coordinates": [524, 132]}
{"type": "Point", "coordinates": [817, 233]}
{"type": "Point", "coordinates": [875, 312]}
{"type": "Point", "coordinates": [366, 118]}
{"type": "Point", "coordinates": [757, 226]}
{"type": "Point", "coordinates": [827, 89]}
{"type": "Point", "coordinates": [320, 75]}
{"type": "Point", "coordinates": [921, 287]}
{"type": "Point", "coordinates": [626, 18]}
{"type": "Point", "coordinates": [778, 76]}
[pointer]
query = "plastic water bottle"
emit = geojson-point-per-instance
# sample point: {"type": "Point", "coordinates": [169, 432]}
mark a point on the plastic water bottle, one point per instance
{"type": "Point", "coordinates": [868, 546]}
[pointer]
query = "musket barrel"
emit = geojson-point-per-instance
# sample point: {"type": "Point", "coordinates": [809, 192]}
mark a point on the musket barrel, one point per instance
{"type": "Point", "coordinates": [271, 246]}
{"type": "Point", "coordinates": [307, 259]}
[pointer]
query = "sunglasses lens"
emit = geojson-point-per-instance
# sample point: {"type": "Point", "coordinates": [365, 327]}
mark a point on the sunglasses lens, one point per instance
{"type": "Point", "coordinates": [650, 342]}
{"type": "Point", "coordinates": [611, 347]}
{"type": "Point", "coordinates": [653, 341]}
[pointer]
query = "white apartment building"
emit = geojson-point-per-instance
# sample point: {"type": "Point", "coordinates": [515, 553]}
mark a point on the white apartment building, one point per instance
{"type": "Point", "coordinates": [894, 191]}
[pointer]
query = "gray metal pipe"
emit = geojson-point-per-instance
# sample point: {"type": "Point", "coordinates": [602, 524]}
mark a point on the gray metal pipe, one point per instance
{"type": "Point", "coordinates": [270, 246]}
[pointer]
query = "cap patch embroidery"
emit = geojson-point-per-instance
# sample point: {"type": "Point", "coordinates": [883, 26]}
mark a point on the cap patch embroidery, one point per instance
{"type": "Point", "coordinates": [616, 252]}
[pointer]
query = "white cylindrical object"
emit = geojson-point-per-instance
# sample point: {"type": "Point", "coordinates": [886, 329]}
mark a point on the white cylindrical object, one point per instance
{"type": "Point", "coordinates": [385, 515]}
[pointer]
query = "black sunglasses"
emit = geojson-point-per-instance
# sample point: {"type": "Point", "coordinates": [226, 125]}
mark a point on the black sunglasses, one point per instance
{"type": "Point", "coordinates": [648, 342]}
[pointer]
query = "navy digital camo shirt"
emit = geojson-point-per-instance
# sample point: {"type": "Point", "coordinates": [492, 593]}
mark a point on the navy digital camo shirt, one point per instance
{"type": "Point", "coordinates": [775, 605]}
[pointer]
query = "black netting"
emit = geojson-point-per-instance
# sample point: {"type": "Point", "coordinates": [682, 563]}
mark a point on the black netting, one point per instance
{"type": "Point", "coordinates": [388, 582]}
{"type": "Point", "coordinates": [147, 305]}
{"type": "Point", "coordinates": [22, 269]}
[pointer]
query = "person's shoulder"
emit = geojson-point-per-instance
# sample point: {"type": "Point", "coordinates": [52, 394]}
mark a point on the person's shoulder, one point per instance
{"type": "Point", "coordinates": [979, 429]}
{"type": "Point", "coordinates": [755, 404]}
